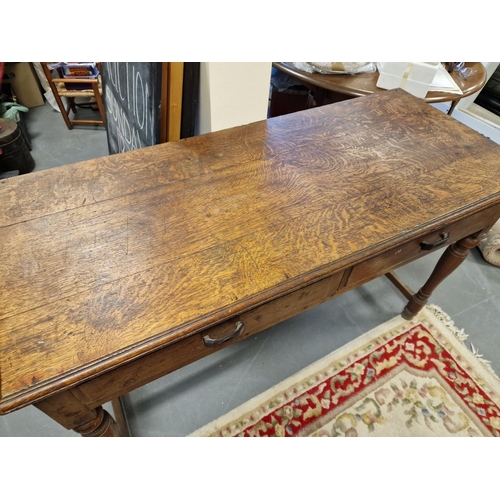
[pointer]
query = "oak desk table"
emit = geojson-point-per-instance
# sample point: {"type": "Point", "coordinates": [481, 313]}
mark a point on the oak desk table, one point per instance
{"type": "Point", "coordinates": [119, 270]}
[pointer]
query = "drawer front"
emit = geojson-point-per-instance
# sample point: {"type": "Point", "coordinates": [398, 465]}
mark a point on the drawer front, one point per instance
{"type": "Point", "coordinates": [159, 363]}
{"type": "Point", "coordinates": [412, 250]}
{"type": "Point", "coordinates": [278, 310]}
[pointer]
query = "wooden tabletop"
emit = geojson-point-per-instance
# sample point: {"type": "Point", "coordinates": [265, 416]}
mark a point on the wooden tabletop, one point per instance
{"type": "Point", "coordinates": [366, 83]}
{"type": "Point", "coordinates": [109, 259]}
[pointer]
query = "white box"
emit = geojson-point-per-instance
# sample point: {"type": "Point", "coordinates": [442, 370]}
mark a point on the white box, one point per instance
{"type": "Point", "coordinates": [414, 77]}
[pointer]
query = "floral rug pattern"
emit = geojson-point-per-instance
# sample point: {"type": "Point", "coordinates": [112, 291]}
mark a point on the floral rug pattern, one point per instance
{"type": "Point", "coordinates": [415, 379]}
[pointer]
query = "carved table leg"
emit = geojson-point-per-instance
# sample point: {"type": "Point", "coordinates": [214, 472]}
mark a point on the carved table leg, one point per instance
{"type": "Point", "coordinates": [69, 411]}
{"type": "Point", "coordinates": [449, 261]}
{"type": "Point", "coordinates": [103, 425]}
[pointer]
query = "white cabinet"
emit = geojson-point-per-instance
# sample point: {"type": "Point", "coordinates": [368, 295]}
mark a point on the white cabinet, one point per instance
{"type": "Point", "coordinates": [477, 117]}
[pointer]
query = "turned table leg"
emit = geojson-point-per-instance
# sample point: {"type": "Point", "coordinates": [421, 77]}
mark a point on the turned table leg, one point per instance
{"type": "Point", "coordinates": [69, 411]}
{"type": "Point", "coordinates": [453, 256]}
{"type": "Point", "coordinates": [103, 425]}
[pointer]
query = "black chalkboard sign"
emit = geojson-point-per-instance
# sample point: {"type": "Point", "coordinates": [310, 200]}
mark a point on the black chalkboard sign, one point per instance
{"type": "Point", "coordinates": [132, 98]}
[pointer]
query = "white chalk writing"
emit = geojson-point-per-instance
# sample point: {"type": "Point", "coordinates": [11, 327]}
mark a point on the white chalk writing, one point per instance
{"type": "Point", "coordinates": [130, 110]}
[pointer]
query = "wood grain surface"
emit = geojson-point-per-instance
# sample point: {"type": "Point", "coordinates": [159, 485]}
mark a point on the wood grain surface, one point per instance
{"type": "Point", "coordinates": [107, 260]}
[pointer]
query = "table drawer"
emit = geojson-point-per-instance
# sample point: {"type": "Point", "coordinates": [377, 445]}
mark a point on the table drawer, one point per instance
{"type": "Point", "coordinates": [159, 363]}
{"type": "Point", "coordinates": [276, 311]}
{"type": "Point", "coordinates": [419, 247]}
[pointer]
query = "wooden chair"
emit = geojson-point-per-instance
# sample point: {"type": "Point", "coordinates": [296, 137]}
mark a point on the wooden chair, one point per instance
{"type": "Point", "coordinates": [58, 86]}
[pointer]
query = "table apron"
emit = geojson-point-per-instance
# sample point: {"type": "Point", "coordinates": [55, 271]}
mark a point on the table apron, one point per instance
{"type": "Point", "coordinates": [412, 250]}
{"type": "Point", "coordinates": [152, 366]}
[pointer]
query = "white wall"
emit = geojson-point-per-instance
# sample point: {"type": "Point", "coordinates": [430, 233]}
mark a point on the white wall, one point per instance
{"type": "Point", "coordinates": [232, 94]}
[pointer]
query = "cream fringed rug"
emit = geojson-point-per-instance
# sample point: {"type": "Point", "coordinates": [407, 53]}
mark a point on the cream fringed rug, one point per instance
{"type": "Point", "coordinates": [404, 378]}
{"type": "Point", "coordinates": [490, 245]}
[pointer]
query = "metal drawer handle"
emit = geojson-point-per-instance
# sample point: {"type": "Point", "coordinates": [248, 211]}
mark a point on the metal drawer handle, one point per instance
{"type": "Point", "coordinates": [431, 246]}
{"type": "Point", "coordinates": [210, 342]}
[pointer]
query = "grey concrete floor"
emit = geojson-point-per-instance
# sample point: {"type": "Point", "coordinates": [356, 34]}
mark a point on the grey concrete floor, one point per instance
{"type": "Point", "coordinates": [183, 401]}
{"type": "Point", "coordinates": [53, 145]}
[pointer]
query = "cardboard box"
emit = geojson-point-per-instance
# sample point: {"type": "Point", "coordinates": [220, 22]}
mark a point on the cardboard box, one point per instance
{"type": "Point", "coordinates": [25, 84]}
{"type": "Point", "coordinates": [414, 77]}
